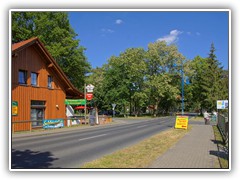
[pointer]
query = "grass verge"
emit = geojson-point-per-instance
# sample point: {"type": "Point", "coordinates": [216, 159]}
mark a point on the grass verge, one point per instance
{"type": "Point", "coordinates": [141, 154]}
{"type": "Point", "coordinates": [222, 148]}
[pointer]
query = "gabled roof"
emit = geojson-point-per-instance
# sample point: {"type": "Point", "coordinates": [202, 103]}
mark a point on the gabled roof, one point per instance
{"type": "Point", "coordinates": [71, 91]}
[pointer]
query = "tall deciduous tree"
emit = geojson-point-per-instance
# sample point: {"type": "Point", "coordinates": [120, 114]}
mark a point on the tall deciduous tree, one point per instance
{"type": "Point", "coordinates": [163, 62]}
{"type": "Point", "coordinates": [54, 30]}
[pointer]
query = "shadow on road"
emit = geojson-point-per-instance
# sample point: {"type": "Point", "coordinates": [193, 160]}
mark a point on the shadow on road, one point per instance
{"type": "Point", "coordinates": [28, 159]}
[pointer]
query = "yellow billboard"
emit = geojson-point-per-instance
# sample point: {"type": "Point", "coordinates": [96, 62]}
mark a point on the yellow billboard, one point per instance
{"type": "Point", "coordinates": [181, 122]}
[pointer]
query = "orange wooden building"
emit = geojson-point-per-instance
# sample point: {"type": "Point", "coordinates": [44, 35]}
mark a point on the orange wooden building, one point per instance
{"type": "Point", "coordinates": [39, 86]}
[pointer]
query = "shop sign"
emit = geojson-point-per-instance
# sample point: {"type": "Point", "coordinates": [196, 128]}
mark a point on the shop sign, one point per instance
{"type": "Point", "coordinates": [181, 122]}
{"type": "Point", "coordinates": [14, 108]}
{"type": "Point", "coordinates": [90, 88]}
{"type": "Point", "coordinates": [53, 123]}
{"type": "Point", "coordinates": [89, 96]}
{"type": "Point", "coordinates": [75, 101]}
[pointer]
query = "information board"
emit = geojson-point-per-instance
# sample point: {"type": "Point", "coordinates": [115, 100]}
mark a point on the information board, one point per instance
{"type": "Point", "coordinates": [181, 122]}
{"type": "Point", "coordinates": [222, 104]}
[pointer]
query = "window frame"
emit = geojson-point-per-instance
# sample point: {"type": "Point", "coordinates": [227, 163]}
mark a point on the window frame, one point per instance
{"type": "Point", "coordinates": [34, 73]}
{"type": "Point", "coordinates": [24, 78]}
{"type": "Point", "coordinates": [49, 82]}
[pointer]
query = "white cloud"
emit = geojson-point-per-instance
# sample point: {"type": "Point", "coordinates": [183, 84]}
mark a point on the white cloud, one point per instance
{"type": "Point", "coordinates": [172, 37]}
{"type": "Point", "coordinates": [119, 21]}
{"type": "Point", "coordinates": [106, 30]}
{"type": "Point", "coordinates": [198, 33]}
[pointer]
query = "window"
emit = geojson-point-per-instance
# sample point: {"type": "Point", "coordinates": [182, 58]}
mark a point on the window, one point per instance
{"type": "Point", "coordinates": [22, 77]}
{"type": "Point", "coordinates": [50, 79]}
{"type": "Point", "coordinates": [34, 77]}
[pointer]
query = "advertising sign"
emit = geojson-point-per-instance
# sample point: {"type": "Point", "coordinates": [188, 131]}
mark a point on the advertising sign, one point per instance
{"type": "Point", "coordinates": [14, 108]}
{"type": "Point", "coordinates": [181, 122]}
{"type": "Point", "coordinates": [53, 123]}
{"type": "Point", "coordinates": [89, 96]}
{"type": "Point", "coordinates": [75, 101]}
{"type": "Point", "coordinates": [90, 88]}
{"type": "Point", "coordinates": [222, 104]}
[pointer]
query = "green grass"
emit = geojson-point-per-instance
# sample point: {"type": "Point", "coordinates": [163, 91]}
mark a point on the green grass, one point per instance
{"type": "Point", "coordinates": [223, 157]}
{"type": "Point", "coordinates": [141, 154]}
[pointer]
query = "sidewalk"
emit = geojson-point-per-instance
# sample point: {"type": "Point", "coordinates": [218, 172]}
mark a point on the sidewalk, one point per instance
{"type": "Point", "coordinates": [194, 150]}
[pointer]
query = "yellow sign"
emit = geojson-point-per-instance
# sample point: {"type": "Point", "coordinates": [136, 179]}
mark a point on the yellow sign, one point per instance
{"type": "Point", "coordinates": [14, 108]}
{"type": "Point", "coordinates": [181, 122]}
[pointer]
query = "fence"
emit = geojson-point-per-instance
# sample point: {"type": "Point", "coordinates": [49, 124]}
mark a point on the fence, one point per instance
{"type": "Point", "coordinates": [223, 126]}
{"type": "Point", "coordinates": [69, 122]}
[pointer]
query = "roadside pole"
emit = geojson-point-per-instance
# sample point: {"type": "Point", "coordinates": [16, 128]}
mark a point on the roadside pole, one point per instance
{"type": "Point", "coordinates": [182, 90]}
{"type": "Point", "coordinates": [85, 106]}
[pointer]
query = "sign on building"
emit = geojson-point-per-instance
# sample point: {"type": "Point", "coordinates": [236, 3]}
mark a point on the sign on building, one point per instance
{"type": "Point", "coordinates": [75, 101]}
{"type": "Point", "coordinates": [222, 104]}
{"type": "Point", "coordinates": [14, 108]}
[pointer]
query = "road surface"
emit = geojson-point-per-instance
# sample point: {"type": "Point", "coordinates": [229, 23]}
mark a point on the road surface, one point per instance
{"type": "Point", "coordinates": [73, 148]}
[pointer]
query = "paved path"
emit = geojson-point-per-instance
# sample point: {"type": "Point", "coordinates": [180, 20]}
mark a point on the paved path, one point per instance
{"type": "Point", "coordinates": [194, 150]}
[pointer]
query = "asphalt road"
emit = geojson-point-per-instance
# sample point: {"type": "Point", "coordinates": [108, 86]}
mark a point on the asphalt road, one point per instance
{"type": "Point", "coordinates": [71, 149]}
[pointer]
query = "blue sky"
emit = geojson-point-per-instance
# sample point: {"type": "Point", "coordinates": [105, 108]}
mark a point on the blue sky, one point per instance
{"type": "Point", "coordinates": [105, 34]}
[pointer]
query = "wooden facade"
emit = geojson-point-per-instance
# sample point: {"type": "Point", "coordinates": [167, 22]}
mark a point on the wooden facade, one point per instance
{"type": "Point", "coordinates": [31, 57]}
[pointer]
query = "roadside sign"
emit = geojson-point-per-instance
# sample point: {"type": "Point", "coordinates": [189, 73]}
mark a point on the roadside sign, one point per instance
{"type": "Point", "coordinates": [89, 96]}
{"type": "Point", "coordinates": [222, 104]}
{"type": "Point", "coordinates": [114, 105]}
{"type": "Point", "coordinates": [89, 88]}
{"type": "Point", "coordinates": [181, 122]}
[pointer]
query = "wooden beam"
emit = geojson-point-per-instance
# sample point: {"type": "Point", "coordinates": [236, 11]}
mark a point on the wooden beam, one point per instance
{"type": "Point", "coordinates": [50, 65]}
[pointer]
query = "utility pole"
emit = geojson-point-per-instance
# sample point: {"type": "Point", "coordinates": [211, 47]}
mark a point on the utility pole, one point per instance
{"type": "Point", "coordinates": [85, 106]}
{"type": "Point", "coordinates": [182, 90]}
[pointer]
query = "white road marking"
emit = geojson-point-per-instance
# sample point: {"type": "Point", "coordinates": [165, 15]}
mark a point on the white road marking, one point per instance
{"type": "Point", "coordinates": [92, 137]}
{"type": "Point", "coordinates": [141, 126]}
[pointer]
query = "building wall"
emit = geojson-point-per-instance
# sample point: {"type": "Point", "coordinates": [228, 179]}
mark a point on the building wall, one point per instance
{"type": "Point", "coordinates": [31, 60]}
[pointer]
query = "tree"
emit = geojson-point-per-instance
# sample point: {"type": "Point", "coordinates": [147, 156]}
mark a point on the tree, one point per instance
{"type": "Point", "coordinates": [124, 76]}
{"type": "Point", "coordinates": [54, 30]}
{"type": "Point", "coordinates": [163, 63]}
{"type": "Point", "coordinates": [209, 81]}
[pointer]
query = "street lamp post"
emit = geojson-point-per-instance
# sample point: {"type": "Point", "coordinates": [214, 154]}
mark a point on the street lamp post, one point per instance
{"type": "Point", "coordinates": [182, 89]}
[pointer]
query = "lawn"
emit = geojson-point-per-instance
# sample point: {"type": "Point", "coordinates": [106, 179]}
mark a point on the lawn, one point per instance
{"type": "Point", "coordinates": [142, 154]}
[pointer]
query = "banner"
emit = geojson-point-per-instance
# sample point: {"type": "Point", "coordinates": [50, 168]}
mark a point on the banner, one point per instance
{"type": "Point", "coordinates": [181, 122]}
{"type": "Point", "coordinates": [53, 123]}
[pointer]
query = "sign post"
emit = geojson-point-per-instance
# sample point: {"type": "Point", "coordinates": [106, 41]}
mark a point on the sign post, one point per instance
{"type": "Point", "coordinates": [113, 107]}
{"type": "Point", "coordinates": [88, 96]}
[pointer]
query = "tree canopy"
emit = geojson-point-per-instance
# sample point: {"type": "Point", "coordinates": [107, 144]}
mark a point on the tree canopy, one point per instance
{"type": "Point", "coordinates": [149, 81]}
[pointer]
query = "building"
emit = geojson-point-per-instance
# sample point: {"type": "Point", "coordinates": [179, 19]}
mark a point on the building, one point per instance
{"type": "Point", "coordinates": [39, 86]}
